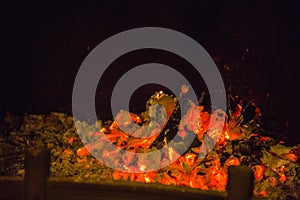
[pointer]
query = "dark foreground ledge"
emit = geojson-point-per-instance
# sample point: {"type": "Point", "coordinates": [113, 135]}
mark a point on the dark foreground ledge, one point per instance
{"type": "Point", "coordinates": [37, 186]}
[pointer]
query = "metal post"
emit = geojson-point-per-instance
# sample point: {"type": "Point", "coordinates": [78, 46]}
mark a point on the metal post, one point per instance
{"type": "Point", "coordinates": [37, 165]}
{"type": "Point", "coordinates": [240, 183]}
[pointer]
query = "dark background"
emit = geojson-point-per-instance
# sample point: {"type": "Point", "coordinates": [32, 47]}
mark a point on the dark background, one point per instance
{"type": "Point", "coordinates": [254, 43]}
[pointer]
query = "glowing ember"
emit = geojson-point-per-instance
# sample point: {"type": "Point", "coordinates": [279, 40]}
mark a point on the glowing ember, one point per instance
{"type": "Point", "coordinates": [227, 136]}
{"type": "Point", "coordinates": [159, 94]}
{"type": "Point", "coordinates": [190, 170]}
{"type": "Point", "coordinates": [259, 172]}
{"type": "Point", "coordinates": [275, 164]}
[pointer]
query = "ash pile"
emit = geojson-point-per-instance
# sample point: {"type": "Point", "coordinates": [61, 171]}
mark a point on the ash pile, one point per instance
{"type": "Point", "coordinates": [203, 164]}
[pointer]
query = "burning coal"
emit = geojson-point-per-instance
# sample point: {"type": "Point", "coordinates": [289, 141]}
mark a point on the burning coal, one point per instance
{"type": "Point", "coordinates": [203, 165]}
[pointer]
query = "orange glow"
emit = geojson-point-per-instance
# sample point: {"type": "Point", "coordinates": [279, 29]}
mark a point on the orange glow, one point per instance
{"type": "Point", "coordinates": [217, 178]}
{"type": "Point", "coordinates": [198, 182]}
{"type": "Point", "coordinates": [259, 172]}
{"type": "Point", "coordinates": [282, 178]}
{"type": "Point", "coordinates": [232, 161]}
{"type": "Point", "coordinates": [207, 173]}
{"type": "Point", "coordinates": [147, 179]}
{"type": "Point", "coordinates": [68, 152]}
{"type": "Point", "coordinates": [159, 94]}
{"type": "Point", "coordinates": [135, 118]}
{"type": "Point", "coordinates": [273, 181]}
{"type": "Point", "coordinates": [263, 138]}
{"type": "Point", "coordinates": [226, 135]}
{"type": "Point", "coordinates": [71, 140]}
{"type": "Point", "coordinates": [239, 109]}
{"type": "Point", "coordinates": [291, 157]}
{"type": "Point", "coordinates": [82, 152]}
{"type": "Point", "coordinates": [190, 158]}
{"type": "Point", "coordinates": [103, 130]}
{"type": "Point", "coordinates": [263, 193]}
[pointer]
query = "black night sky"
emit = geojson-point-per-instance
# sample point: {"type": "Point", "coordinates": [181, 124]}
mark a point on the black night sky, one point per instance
{"type": "Point", "coordinates": [255, 44]}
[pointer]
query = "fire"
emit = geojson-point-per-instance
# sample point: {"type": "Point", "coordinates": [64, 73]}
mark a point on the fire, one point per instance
{"type": "Point", "coordinates": [190, 158]}
{"type": "Point", "coordinates": [82, 152]}
{"type": "Point", "coordinates": [227, 136]}
{"type": "Point", "coordinates": [232, 161]}
{"type": "Point", "coordinates": [203, 165]}
{"type": "Point", "coordinates": [282, 178]}
{"type": "Point", "coordinates": [159, 94]}
{"type": "Point", "coordinates": [259, 172]}
{"type": "Point", "coordinates": [147, 179]}
{"type": "Point", "coordinates": [217, 178]}
{"type": "Point", "coordinates": [189, 169]}
{"type": "Point", "coordinates": [292, 157]}
{"type": "Point", "coordinates": [183, 171]}
{"type": "Point", "coordinates": [263, 193]}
